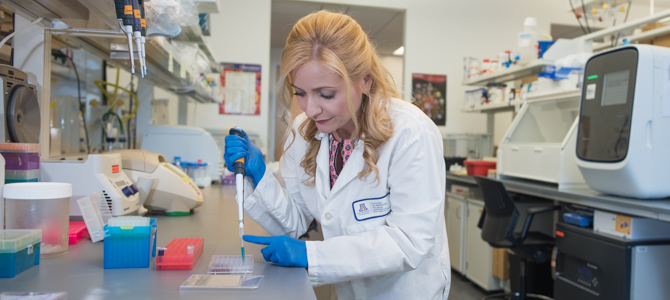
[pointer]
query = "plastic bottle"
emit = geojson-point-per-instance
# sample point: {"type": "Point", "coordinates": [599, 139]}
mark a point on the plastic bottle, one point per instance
{"type": "Point", "coordinates": [486, 66]}
{"type": "Point", "coordinates": [528, 41]}
{"type": "Point", "coordinates": [177, 163]}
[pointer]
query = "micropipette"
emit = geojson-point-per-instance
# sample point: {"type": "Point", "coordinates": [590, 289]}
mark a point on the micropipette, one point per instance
{"type": "Point", "coordinates": [124, 12]}
{"type": "Point", "coordinates": [137, 32]}
{"type": "Point", "coordinates": [144, 34]}
{"type": "Point", "coordinates": [239, 187]}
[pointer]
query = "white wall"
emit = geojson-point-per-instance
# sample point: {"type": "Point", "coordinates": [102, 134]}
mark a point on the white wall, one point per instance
{"type": "Point", "coordinates": [240, 34]}
{"type": "Point", "coordinates": [393, 64]}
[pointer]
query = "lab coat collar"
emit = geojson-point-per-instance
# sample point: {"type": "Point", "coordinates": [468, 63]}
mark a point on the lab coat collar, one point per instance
{"type": "Point", "coordinates": [321, 136]}
{"type": "Point", "coordinates": [322, 176]}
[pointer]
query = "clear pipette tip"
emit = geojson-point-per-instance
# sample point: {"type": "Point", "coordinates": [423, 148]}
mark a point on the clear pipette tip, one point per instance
{"type": "Point", "coordinates": [241, 239]}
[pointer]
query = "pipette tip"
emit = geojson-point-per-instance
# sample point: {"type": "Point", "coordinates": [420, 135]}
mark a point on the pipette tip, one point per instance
{"type": "Point", "coordinates": [242, 254]}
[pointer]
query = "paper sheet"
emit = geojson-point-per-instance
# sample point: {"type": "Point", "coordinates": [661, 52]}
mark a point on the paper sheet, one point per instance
{"type": "Point", "coordinates": [240, 92]}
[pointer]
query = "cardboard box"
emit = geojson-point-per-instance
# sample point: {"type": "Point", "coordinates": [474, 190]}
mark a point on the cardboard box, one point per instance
{"type": "Point", "coordinates": [500, 263]}
{"type": "Point", "coordinates": [663, 40]}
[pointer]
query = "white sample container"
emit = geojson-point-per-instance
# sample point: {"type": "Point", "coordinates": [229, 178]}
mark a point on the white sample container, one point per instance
{"type": "Point", "coordinates": [40, 205]}
{"type": "Point", "coordinates": [631, 228]}
{"type": "Point", "coordinates": [540, 144]}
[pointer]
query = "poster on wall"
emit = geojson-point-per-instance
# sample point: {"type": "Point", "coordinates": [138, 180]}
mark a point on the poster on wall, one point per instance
{"type": "Point", "coordinates": [241, 89]}
{"type": "Point", "coordinates": [430, 95]}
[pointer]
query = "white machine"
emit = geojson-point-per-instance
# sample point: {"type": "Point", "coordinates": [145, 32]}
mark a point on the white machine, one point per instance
{"type": "Point", "coordinates": [540, 143]}
{"type": "Point", "coordinates": [189, 143]}
{"type": "Point", "coordinates": [21, 111]}
{"type": "Point", "coordinates": [163, 187]}
{"type": "Point", "coordinates": [98, 172]}
{"type": "Point", "coordinates": [623, 145]}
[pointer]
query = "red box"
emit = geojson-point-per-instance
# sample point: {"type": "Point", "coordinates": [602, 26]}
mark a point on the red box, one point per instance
{"type": "Point", "coordinates": [77, 232]}
{"type": "Point", "coordinates": [479, 167]}
{"type": "Point", "coordinates": [176, 255]}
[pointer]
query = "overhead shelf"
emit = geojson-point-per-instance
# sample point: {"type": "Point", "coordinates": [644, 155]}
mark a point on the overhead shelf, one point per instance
{"type": "Point", "coordinates": [576, 93]}
{"type": "Point", "coordinates": [197, 93]}
{"type": "Point", "coordinates": [493, 107]}
{"type": "Point", "coordinates": [509, 74]}
{"type": "Point", "coordinates": [193, 34]}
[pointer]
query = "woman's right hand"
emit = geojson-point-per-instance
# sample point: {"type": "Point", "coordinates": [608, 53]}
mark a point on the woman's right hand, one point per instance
{"type": "Point", "coordinates": [238, 147]}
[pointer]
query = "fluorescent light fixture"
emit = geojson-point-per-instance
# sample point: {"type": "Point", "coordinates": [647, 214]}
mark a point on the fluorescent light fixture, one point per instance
{"type": "Point", "coordinates": [399, 51]}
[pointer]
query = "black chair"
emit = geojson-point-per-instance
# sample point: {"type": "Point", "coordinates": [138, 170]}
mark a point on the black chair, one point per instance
{"type": "Point", "coordinates": [498, 223]}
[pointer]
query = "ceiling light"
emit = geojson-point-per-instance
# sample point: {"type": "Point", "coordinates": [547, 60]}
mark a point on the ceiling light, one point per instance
{"type": "Point", "coordinates": [399, 51]}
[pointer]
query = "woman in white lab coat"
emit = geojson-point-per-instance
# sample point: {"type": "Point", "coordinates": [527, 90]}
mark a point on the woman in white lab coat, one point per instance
{"type": "Point", "coordinates": [368, 166]}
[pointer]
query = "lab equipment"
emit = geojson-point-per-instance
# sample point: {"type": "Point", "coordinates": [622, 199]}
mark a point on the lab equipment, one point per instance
{"type": "Point", "coordinates": [200, 176]}
{"type": "Point", "coordinates": [40, 205]}
{"type": "Point", "coordinates": [19, 250]}
{"type": "Point", "coordinates": [22, 162]}
{"type": "Point", "coordinates": [124, 13]}
{"type": "Point", "coordinates": [21, 108]}
{"type": "Point", "coordinates": [137, 33]}
{"type": "Point", "coordinates": [95, 212]}
{"type": "Point", "coordinates": [628, 227]}
{"type": "Point", "coordinates": [162, 186]}
{"type": "Point", "coordinates": [239, 188]}
{"type": "Point", "coordinates": [539, 145]}
{"type": "Point", "coordinates": [479, 167]}
{"type": "Point", "coordinates": [594, 266]}
{"type": "Point", "coordinates": [581, 219]}
{"type": "Point", "coordinates": [528, 39]}
{"type": "Point", "coordinates": [180, 254]}
{"type": "Point", "coordinates": [282, 250]}
{"type": "Point", "coordinates": [144, 35]}
{"type": "Point", "coordinates": [174, 141]}
{"type": "Point", "coordinates": [94, 173]}
{"type": "Point", "coordinates": [206, 282]}
{"type": "Point", "coordinates": [77, 232]}
{"type": "Point", "coordinates": [242, 147]}
{"type": "Point", "coordinates": [470, 145]}
{"type": "Point", "coordinates": [33, 296]}
{"type": "Point", "coordinates": [231, 264]}
{"type": "Point", "coordinates": [128, 245]}
{"type": "Point", "coordinates": [2, 186]}
{"type": "Point", "coordinates": [622, 142]}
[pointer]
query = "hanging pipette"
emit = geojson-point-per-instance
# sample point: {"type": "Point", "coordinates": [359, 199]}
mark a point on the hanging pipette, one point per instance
{"type": "Point", "coordinates": [144, 34]}
{"type": "Point", "coordinates": [137, 32]}
{"type": "Point", "coordinates": [124, 12]}
{"type": "Point", "coordinates": [238, 167]}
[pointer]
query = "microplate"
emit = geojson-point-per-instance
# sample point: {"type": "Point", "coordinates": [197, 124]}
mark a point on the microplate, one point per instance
{"type": "Point", "coordinates": [231, 264]}
{"type": "Point", "coordinates": [209, 282]}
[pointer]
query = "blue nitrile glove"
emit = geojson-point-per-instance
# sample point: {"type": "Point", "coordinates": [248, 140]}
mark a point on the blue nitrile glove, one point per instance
{"type": "Point", "coordinates": [236, 148]}
{"type": "Point", "coordinates": [282, 250]}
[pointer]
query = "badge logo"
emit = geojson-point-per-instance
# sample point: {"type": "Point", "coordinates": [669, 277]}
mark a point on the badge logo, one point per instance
{"type": "Point", "coordinates": [363, 208]}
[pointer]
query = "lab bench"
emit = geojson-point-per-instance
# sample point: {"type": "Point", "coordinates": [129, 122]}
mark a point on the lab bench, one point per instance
{"type": "Point", "coordinates": [80, 272]}
{"type": "Point", "coordinates": [658, 209]}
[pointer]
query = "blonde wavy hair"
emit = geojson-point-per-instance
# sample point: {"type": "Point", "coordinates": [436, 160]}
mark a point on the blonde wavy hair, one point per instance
{"type": "Point", "coordinates": [337, 42]}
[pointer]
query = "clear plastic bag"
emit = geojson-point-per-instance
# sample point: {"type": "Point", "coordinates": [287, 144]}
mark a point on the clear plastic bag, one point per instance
{"type": "Point", "coordinates": [165, 14]}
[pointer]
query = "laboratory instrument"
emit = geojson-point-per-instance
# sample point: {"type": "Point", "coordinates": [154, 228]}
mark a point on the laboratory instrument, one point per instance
{"type": "Point", "coordinates": [622, 142]}
{"type": "Point", "coordinates": [144, 35]}
{"type": "Point", "coordinates": [179, 254]}
{"type": "Point", "coordinates": [174, 141]}
{"type": "Point", "coordinates": [21, 108]}
{"type": "Point", "coordinates": [628, 227]}
{"type": "Point", "coordinates": [470, 145]}
{"type": "Point", "coordinates": [162, 186]}
{"type": "Point", "coordinates": [22, 162]}
{"type": "Point", "coordinates": [539, 145]}
{"type": "Point", "coordinates": [40, 205]}
{"type": "Point", "coordinates": [130, 242]}
{"type": "Point", "coordinates": [77, 232]}
{"type": "Point", "coordinates": [124, 13]}
{"type": "Point", "coordinates": [94, 173]}
{"type": "Point", "coordinates": [137, 33]}
{"type": "Point", "coordinates": [19, 250]}
{"type": "Point", "coordinates": [231, 264]}
{"type": "Point", "coordinates": [239, 188]}
{"type": "Point", "coordinates": [589, 265]}
{"type": "Point", "coordinates": [95, 212]}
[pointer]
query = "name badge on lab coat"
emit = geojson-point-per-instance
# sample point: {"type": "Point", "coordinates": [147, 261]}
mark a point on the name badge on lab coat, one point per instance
{"type": "Point", "coordinates": [371, 208]}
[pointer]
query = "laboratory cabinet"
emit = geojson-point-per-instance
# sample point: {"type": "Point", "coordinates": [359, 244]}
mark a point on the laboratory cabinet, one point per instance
{"type": "Point", "coordinates": [540, 144]}
{"type": "Point", "coordinates": [479, 255]}
{"type": "Point", "coordinates": [455, 215]}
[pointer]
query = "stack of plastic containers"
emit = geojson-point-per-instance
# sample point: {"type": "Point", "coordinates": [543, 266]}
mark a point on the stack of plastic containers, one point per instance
{"type": "Point", "coordinates": [130, 242]}
{"type": "Point", "coordinates": [77, 232]}
{"type": "Point", "coordinates": [22, 162]}
{"type": "Point", "coordinates": [19, 250]}
{"type": "Point", "coordinates": [180, 254]}
{"type": "Point", "coordinates": [96, 213]}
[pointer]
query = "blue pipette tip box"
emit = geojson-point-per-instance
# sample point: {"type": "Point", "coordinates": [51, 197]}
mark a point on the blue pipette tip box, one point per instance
{"type": "Point", "coordinates": [129, 246]}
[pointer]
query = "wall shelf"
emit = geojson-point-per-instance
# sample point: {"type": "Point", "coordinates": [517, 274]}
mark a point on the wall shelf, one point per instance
{"type": "Point", "coordinates": [509, 74]}
{"type": "Point", "coordinates": [494, 107]}
{"type": "Point", "coordinates": [576, 93]}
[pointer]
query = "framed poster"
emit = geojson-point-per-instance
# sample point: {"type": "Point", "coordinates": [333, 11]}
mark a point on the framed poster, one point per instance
{"type": "Point", "coordinates": [430, 95]}
{"type": "Point", "coordinates": [241, 89]}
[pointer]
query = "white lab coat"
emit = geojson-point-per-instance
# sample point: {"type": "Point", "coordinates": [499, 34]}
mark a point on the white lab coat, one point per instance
{"type": "Point", "coordinates": [383, 240]}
